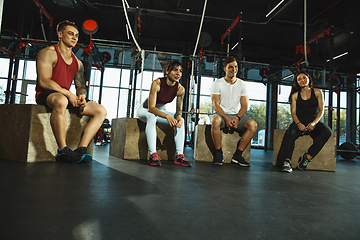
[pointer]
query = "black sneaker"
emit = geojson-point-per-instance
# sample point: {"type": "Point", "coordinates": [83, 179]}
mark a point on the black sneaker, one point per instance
{"type": "Point", "coordinates": [86, 157]}
{"type": "Point", "coordinates": [287, 167]}
{"type": "Point", "coordinates": [182, 160]}
{"type": "Point", "coordinates": [69, 156]}
{"type": "Point", "coordinates": [303, 162]}
{"type": "Point", "coordinates": [154, 160]}
{"type": "Point", "coordinates": [238, 159]}
{"type": "Point", "coordinates": [219, 159]}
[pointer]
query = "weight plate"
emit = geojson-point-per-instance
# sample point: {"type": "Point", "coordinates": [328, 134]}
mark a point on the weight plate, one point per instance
{"type": "Point", "coordinates": [351, 148]}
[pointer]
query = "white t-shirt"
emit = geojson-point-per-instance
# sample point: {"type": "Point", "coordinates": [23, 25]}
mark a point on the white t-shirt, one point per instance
{"type": "Point", "coordinates": [229, 94]}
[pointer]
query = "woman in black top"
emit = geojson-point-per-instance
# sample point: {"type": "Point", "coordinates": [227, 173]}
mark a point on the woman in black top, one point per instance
{"type": "Point", "coordinates": [307, 109]}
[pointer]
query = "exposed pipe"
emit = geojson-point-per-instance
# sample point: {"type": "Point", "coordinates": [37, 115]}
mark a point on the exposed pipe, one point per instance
{"type": "Point", "coordinates": [305, 37]}
{"type": "Point", "coordinates": [139, 49]}
{"type": "Point", "coordinates": [167, 13]}
{"type": "Point", "coordinates": [199, 33]}
{"type": "Point", "coordinates": [196, 45]}
{"type": "Point", "coordinates": [42, 26]}
{"type": "Point", "coordinates": [326, 10]}
{"type": "Point", "coordinates": [142, 72]}
{"type": "Point", "coordinates": [128, 22]}
{"type": "Point", "coordinates": [194, 53]}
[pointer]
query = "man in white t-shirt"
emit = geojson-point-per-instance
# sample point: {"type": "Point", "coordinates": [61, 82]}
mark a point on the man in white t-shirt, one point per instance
{"type": "Point", "coordinates": [230, 100]}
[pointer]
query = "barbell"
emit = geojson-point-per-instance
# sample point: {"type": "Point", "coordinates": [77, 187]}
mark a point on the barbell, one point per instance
{"type": "Point", "coordinates": [193, 112]}
{"type": "Point", "coordinates": [348, 150]}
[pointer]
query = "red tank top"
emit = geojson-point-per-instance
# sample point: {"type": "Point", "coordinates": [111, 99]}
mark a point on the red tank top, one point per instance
{"type": "Point", "coordinates": [62, 73]}
{"type": "Point", "coordinates": [166, 93]}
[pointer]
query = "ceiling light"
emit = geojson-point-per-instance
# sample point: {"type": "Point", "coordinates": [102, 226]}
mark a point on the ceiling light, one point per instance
{"type": "Point", "coordinates": [275, 8]}
{"type": "Point", "coordinates": [338, 56]}
{"type": "Point", "coordinates": [234, 46]}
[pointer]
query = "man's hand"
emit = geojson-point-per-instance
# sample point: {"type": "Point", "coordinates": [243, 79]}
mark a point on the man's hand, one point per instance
{"type": "Point", "coordinates": [229, 122]}
{"type": "Point", "coordinates": [81, 101]}
{"type": "Point", "coordinates": [235, 122]}
{"type": "Point", "coordinates": [73, 99]}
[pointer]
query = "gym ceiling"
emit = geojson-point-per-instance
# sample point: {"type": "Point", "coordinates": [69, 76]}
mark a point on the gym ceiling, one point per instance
{"type": "Point", "coordinates": [173, 26]}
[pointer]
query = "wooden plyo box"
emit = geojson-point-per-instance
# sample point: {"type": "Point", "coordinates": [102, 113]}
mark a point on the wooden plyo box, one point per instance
{"type": "Point", "coordinates": [204, 149]}
{"type": "Point", "coordinates": [325, 160]}
{"type": "Point", "coordinates": [27, 136]}
{"type": "Point", "coordinates": [128, 140]}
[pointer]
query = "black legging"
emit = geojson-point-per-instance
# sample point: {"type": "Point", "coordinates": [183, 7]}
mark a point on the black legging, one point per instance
{"type": "Point", "coordinates": [320, 135]}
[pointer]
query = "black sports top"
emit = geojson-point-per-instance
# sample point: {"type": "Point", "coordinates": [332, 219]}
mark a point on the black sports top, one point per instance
{"type": "Point", "coordinates": [307, 110]}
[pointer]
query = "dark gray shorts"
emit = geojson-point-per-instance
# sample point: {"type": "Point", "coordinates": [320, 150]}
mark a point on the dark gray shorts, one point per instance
{"type": "Point", "coordinates": [241, 124]}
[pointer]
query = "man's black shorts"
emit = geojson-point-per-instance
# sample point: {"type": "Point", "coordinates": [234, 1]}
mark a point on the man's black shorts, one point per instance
{"type": "Point", "coordinates": [41, 99]}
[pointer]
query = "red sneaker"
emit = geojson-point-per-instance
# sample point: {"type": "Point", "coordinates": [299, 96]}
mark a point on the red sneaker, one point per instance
{"type": "Point", "coordinates": [154, 160]}
{"type": "Point", "coordinates": [181, 160]}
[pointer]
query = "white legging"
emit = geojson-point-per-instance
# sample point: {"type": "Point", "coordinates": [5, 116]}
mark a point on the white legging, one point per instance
{"type": "Point", "coordinates": [151, 119]}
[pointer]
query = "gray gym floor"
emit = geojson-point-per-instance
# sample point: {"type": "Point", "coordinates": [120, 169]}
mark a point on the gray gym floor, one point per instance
{"type": "Point", "coordinates": [111, 198]}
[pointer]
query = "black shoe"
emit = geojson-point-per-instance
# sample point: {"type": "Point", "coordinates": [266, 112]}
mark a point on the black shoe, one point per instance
{"type": "Point", "coordinates": [86, 157]}
{"type": "Point", "coordinates": [287, 167]}
{"type": "Point", "coordinates": [69, 156]}
{"type": "Point", "coordinates": [303, 162]}
{"type": "Point", "coordinates": [219, 159]}
{"type": "Point", "coordinates": [238, 159]}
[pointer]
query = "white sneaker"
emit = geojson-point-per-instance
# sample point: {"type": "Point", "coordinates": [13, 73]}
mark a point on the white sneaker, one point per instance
{"type": "Point", "coordinates": [286, 167]}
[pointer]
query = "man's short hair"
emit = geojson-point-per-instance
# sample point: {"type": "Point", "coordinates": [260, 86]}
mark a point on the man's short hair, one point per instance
{"type": "Point", "coordinates": [62, 25]}
{"type": "Point", "coordinates": [228, 60]}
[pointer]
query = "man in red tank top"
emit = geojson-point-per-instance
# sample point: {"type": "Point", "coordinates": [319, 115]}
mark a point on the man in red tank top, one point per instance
{"type": "Point", "coordinates": [56, 68]}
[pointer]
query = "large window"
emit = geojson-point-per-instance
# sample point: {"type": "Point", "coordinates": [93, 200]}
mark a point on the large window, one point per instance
{"type": "Point", "coordinates": [25, 84]}
{"type": "Point", "coordinates": [115, 87]}
{"type": "Point", "coordinates": [257, 110]}
{"type": "Point", "coordinates": [4, 70]}
{"type": "Point", "coordinates": [284, 118]}
{"type": "Point", "coordinates": [342, 128]}
{"type": "Point", "coordinates": [205, 106]}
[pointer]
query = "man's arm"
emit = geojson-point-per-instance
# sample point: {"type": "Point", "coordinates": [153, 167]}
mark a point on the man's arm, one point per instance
{"type": "Point", "coordinates": [80, 85]}
{"type": "Point", "coordinates": [80, 81]}
{"type": "Point", "coordinates": [216, 100]}
{"type": "Point", "coordinates": [45, 61]}
{"type": "Point", "coordinates": [244, 102]}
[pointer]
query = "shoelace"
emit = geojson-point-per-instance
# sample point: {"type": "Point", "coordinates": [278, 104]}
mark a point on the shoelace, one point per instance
{"type": "Point", "coordinates": [155, 156]}
{"type": "Point", "coordinates": [181, 157]}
